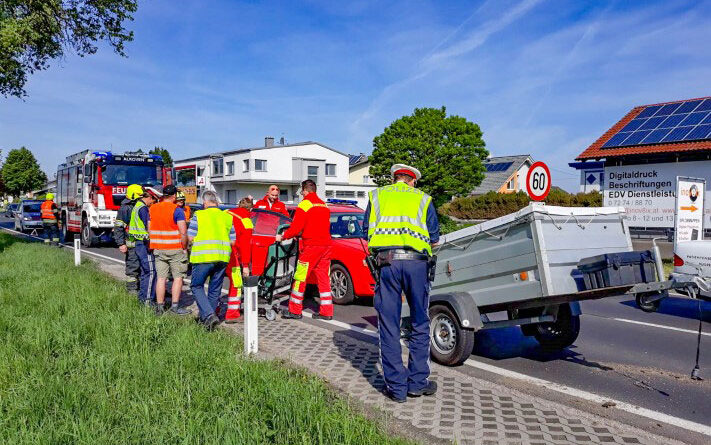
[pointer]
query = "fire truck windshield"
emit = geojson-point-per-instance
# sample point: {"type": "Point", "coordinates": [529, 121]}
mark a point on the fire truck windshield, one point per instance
{"type": "Point", "coordinates": [125, 174]}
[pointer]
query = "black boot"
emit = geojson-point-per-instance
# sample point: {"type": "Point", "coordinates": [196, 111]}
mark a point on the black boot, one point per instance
{"type": "Point", "coordinates": [285, 313]}
{"type": "Point", "coordinates": [211, 322]}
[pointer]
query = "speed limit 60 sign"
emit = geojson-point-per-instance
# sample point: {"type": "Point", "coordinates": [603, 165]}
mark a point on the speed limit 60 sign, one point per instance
{"type": "Point", "coordinates": [538, 181]}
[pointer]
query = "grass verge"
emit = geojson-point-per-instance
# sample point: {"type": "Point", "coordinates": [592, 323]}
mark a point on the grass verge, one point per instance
{"type": "Point", "coordinates": [83, 364]}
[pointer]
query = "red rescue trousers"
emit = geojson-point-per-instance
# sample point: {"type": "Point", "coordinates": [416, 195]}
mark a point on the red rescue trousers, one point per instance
{"type": "Point", "coordinates": [234, 295]}
{"type": "Point", "coordinates": [314, 265]}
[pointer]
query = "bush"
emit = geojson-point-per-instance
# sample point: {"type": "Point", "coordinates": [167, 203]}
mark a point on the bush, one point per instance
{"type": "Point", "coordinates": [493, 205]}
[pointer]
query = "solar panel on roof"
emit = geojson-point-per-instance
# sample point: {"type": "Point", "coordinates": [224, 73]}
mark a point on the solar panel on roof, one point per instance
{"type": "Point", "coordinates": [498, 166]}
{"type": "Point", "coordinates": [673, 122]}
{"type": "Point", "coordinates": [699, 132]}
{"type": "Point", "coordinates": [649, 111]}
{"type": "Point", "coordinates": [706, 106]}
{"type": "Point", "coordinates": [667, 109]}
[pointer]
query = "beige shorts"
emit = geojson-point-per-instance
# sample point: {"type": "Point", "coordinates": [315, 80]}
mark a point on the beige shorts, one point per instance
{"type": "Point", "coordinates": [171, 263]}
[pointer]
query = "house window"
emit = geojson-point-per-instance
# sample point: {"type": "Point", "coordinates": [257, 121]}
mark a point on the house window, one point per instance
{"type": "Point", "coordinates": [366, 179]}
{"type": "Point", "coordinates": [245, 165]}
{"type": "Point", "coordinates": [361, 194]}
{"type": "Point", "coordinates": [231, 168]}
{"type": "Point", "coordinates": [329, 193]}
{"type": "Point", "coordinates": [283, 195]}
{"type": "Point", "coordinates": [260, 165]}
{"type": "Point", "coordinates": [217, 167]}
{"type": "Point", "coordinates": [330, 169]}
{"type": "Point", "coordinates": [510, 185]}
{"type": "Point", "coordinates": [200, 171]}
{"type": "Point", "coordinates": [345, 194]}
{"type": "Point", "coordinates": [312, 173]}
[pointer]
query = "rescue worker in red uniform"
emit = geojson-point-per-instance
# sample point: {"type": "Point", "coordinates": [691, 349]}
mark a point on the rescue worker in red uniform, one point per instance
{"type": "Point", "coordinates": [238, 266]}
{"type": "Point", "coordinates": [312, 221]}
{"type": "Point", "coordinates": [271, 201]}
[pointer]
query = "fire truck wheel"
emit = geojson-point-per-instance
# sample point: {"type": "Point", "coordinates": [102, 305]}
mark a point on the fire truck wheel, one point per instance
{"type": "Point", "coordinates": [559, 334]}
{"type": "Point", "coordinates": [450, 344]}
{"type": "Point", "coordinates": [88, 237]}
{"type": "Point", "coordinates": [341, 285]}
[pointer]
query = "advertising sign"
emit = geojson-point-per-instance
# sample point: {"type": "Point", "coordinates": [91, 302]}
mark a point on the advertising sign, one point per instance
{"type": "Point", "coordinates": [648, 191]}
{"type": "Point", "coordinates": [538, 181]}
{"type": "Point", "coordinates": [689, 221]}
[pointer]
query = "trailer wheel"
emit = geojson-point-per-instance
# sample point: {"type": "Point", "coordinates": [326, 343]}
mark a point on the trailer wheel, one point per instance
{"type": "Point", "coordinates": [646, 305]}
{"type": "Point", "coordinates": [450, 344]}
{"type": "Point", "coordinates": [560, 333]}
{"type": "Point", "coordinates": [88, 237]}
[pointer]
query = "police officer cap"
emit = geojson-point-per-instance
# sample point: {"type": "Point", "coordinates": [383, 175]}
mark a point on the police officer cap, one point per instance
{"type": "Point", "coordinates": [402, 169]}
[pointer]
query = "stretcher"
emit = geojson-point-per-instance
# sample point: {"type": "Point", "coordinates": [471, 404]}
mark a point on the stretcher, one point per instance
{"type": "Point", "coordinates": [272, 262]}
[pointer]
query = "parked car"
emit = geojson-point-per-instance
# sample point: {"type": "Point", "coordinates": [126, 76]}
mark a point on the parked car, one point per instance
{"type": "Point", "coordinates": [11, 209]}
{"type": "Point", "coordinates": [28, 215]}
{"type": "Point", "coordinates": [350, 276]}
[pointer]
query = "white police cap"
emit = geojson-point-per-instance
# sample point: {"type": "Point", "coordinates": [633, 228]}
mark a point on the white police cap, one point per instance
{"type": "Point", "coordinates": [402, 169]}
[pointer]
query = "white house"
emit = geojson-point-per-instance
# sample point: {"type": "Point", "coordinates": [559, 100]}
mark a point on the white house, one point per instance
{"type": "Point", "coordinates": [505, 174]}
{"type": "Point", "coordinates": [237, 173]}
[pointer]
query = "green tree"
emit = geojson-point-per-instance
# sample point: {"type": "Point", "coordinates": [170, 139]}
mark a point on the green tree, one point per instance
{"type": "Point", "coordinates": [167, 159]}
{"type": "Point", "coordinates": [448, 151]}
{"type": "Point", "coordinates": [34, 32]}
{"type": "Point", "coordinates": [21, 173]}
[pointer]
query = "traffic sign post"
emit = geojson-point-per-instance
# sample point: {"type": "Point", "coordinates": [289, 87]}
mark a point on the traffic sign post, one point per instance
{"type": "Point", "coordinates": [538, 181]}
{"type": "Point", "coordinates": [689, 209]}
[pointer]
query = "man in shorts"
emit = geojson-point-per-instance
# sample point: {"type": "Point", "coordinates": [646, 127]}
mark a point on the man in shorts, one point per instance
{"type": "Point", "coordinates": [167, 230]}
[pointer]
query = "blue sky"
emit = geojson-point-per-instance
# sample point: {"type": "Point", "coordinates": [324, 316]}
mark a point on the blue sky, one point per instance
{"type": "Point", "coordinates": [539, 77]}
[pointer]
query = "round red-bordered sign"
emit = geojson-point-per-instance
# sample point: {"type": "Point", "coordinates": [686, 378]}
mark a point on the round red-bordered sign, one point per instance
{"type": "Point", "coordinates": [538, 181]}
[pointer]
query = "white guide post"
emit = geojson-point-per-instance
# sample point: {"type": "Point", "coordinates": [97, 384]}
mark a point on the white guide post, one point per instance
{"type": "Point", "coordinates": [77, 250]}
{"type": "Point", "coordinates": [250, 310]}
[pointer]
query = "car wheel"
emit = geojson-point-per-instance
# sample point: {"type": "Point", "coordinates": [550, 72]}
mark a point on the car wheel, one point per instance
{"type": "Point", "coordinates": [450, 344]}
{"type": "Point", "coordinates": [559, 334]}
{"type": "Point", "coordinates": [341, 285]}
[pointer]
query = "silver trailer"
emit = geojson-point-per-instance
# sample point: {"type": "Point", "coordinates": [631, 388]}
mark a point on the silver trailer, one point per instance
{"type": "Point", "coordinates": [524, 264]}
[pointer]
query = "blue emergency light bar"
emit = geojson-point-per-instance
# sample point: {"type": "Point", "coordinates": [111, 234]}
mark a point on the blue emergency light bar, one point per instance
{"type": "Point", "coordinates": [342, 201]}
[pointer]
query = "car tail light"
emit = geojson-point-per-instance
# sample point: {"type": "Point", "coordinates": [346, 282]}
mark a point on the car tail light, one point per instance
{"type": "Point", "coordinates": [678, 261]}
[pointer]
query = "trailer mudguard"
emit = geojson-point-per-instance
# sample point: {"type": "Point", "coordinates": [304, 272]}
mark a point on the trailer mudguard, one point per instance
{"type": "Point", "coordinates": [463, 306]}
{"type": "Point", "coordinates": [575, 308]}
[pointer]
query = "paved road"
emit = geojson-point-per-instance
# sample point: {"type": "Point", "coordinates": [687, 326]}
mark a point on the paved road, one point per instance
{"type": "Point", "coordinates": [615, 356]}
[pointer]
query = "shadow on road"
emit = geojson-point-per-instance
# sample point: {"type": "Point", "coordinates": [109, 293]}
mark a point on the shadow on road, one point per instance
{"type": "Point", "coordinates": [362, 357]}
{"type": "Point", "coordinates": [680, 307]}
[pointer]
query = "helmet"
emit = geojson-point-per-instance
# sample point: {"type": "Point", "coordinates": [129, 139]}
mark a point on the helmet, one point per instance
{"type": "Point", "coordinates": [180, 196]}
{"type": "Point", "coordinates": [49, 196]}
{"type": "Point", "coordinates": [134, 191]}
{"type": "Point", "coordinates": [153, 193]}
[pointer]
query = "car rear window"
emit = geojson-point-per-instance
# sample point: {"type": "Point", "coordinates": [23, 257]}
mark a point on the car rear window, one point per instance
{"type": "Point", "coordinates": [31, 208]}
{"type": "Point", "coordinates": [347, 225]}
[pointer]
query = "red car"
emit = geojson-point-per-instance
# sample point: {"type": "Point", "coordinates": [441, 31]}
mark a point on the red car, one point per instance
{"type": "Point", "coordinates": [350, 276]}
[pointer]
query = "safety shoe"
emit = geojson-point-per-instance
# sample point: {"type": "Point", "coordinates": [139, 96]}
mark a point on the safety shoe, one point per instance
{"type": "Point", "coordinates": [389, 394]}
{"type": "Point", "coordinates": [211, 322]}
{"type": "Point", "coordinates": [286, 313]}
{"type": "Point", "coordinates": [180, 310]}
{"type": "Point", "coordinates": [429, 389]}
{"type": "Point", "coordinates": [322, 317]}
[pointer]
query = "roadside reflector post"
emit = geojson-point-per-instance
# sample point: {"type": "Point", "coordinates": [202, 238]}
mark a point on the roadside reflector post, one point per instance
{"type": "Point", "coordinates": [250, 312]}
{"type": "Point", "coordinates": [77, 251]}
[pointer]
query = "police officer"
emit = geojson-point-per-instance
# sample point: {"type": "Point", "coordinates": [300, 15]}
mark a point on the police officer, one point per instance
{"type": "Point", "coordinates": [138, 231]}
{"type": "Point", "coordinates": [126, 245]}
{"type": "Point", "coordinates": [401, 226]}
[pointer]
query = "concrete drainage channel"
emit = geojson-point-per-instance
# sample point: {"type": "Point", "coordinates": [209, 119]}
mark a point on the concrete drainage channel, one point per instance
{"type": "Point", "coordinates": [466, 409]}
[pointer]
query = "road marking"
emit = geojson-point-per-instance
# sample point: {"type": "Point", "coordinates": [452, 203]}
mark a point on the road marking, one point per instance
{"type": "Point", "coordinates": [591, 397]}
{"type": "Point", "coordinates": [578, 393]}
{"type": "Point", "coordinates": [653, 325]}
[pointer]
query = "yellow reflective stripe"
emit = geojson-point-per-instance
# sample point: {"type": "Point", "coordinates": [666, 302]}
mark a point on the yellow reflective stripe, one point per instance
{"type": "Point", "coordinates": [247, 223]}
{"type": "Point", "coordinates": [302, 271]}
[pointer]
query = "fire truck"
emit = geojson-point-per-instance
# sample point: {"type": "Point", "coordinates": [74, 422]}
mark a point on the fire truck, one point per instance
{"type": "Point", "coordinates": [92, 184]}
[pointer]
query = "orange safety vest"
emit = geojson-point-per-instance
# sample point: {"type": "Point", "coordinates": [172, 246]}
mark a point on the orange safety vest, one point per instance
{"type": "Point", "coordinates": [186, 209]}
{"type": "Point", "coordinates": [47, 212]}
{"type": "Point", "coordinates": [163, 232]}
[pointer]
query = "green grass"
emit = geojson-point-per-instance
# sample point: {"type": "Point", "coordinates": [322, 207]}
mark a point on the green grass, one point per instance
{"type": "Point", "coordinates": [81, 363]}
{"type": "Point", "coordinates": [668, 266]}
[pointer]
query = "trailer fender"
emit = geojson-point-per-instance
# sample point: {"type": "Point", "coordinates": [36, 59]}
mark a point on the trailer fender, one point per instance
{"type": "Point", "coordinates": [575, 308]}
{"type": "Point", "coordinates": [553, 310]}
{"type": "Point", "coordinates": [463, 306]}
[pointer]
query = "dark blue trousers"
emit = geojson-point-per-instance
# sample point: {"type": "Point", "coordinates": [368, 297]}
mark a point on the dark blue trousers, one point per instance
{"type": "Point", "coordinates": [408, 277]}
{"type": "Point", "coordinates": [147, 277]}
{"type": "Point", "coordinates": [215, 272]}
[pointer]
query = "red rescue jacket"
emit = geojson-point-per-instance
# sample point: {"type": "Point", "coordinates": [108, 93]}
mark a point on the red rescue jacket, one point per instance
{"type": "Point", "coordinates": [312, 221]}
